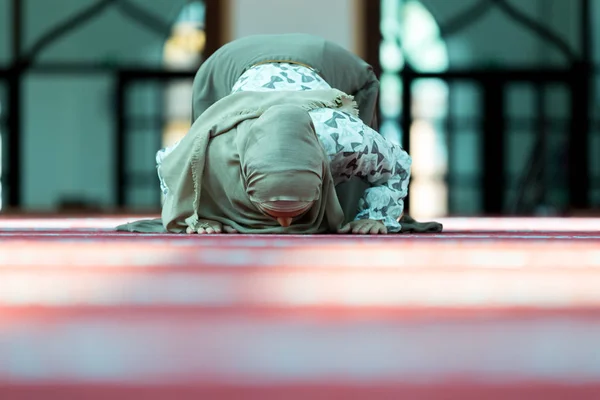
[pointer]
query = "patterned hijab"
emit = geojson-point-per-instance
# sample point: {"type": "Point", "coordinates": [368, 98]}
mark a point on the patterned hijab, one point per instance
{"type": "Point", "coordinates": [282, 161]}
{"type": "Point", "coordinates": [252, 153]}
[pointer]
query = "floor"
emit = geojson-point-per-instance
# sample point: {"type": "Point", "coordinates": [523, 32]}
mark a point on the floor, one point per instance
{"type": "Point", "coordinates": [489, 309]}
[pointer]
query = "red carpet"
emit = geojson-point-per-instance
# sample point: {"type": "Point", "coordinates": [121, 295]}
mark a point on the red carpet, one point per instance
{"type": "Point", "coordinates": [86, 313]}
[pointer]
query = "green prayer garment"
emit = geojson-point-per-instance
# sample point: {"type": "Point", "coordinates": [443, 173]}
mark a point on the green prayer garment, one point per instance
{"type": "Point", "coordinates": [340, 68]}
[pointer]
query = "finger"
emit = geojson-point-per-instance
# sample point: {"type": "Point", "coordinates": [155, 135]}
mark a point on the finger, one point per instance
{"type": "Point", "coordinates": [365, 228]}
{"type": "Point", "coordinates": [210, 230]}
{"type": "Point", "coordinates": [379, 229]}
{"type": "Point", "coordinates": [229, 229]}
{"type": "Point", "coordinates": [375, 229]}
{"type": "Point", "coordinates": [358, 228]}
{"type": "Point", "coordinates": [201, 231]}
{"type": "Point", "coordinates": [344, 229]}
{"type": "Point", "coordinates": [217, 229]}
{"type": "Point", "coordinates": [190, 230]}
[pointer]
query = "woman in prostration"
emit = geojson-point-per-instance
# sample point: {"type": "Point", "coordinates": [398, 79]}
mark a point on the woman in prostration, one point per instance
{"type": "Point", "coordinates": [271, 140]}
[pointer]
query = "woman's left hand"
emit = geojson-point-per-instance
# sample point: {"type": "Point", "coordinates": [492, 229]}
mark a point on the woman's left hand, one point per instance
{"type": "Point", "coordinates": [363, 227]}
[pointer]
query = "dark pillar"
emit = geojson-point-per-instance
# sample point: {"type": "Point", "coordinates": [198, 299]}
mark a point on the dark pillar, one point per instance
{"type": "Point", "coordinates": [493, 142]}
{"type": "Point", "coordinates": [14, 117]}
{"type": "Point", "coordinates": [578, 140]}
{"type": "Point", "coordinates": [212, 26]}
{"type": "Point", "coordinates": [450, 125]}
{"type": "Point", "coordinates": [579, 181]}
{"type": "Point", "coordinates": [372, 33]}
{"type": "Point", "coordinates": [120, 131]}
{"type": "Point", "coordinates": [407, 119]}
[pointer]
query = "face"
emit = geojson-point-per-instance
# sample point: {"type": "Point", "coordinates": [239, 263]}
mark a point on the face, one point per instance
{"type": "Point", "coordinates": [283, 164]}
{"type": "Point", "coordinates": [285, 211]}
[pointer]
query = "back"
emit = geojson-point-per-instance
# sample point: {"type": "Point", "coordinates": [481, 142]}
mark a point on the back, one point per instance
{"type": "Point", "coordinates": [339, 67]}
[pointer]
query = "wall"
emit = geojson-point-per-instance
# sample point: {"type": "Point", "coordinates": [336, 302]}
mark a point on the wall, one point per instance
{"type": "Point", "coordinates": [68, 123]}
{"type": "Point", "coordinates": [335, 19]}
{"type": "Point", "coordinates": [68, 119]}
{"type": "Point", "coordinates": [496, 40]}
{"type": "Point", "coordinates": [4, 36]}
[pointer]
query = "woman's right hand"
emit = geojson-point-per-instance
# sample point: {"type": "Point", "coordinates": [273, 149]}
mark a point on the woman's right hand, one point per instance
{"type": "Point", "coordinates": [206, 226]}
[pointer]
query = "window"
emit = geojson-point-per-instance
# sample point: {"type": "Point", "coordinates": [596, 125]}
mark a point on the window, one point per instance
{"type": "Point", "coordinates": [183, 51]}
{"type": "Point", "coordinates": [411, 36]}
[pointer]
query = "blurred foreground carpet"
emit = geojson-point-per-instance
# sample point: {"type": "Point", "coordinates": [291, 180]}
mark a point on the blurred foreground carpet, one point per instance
{"type": "Point", "coordinates": [491, 309]}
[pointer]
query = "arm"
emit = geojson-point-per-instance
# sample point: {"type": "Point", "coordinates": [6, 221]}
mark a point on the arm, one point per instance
{"type": "Point", "coordinates": [389, 176]}
{"type": "Point", "coordinates": [354, 149]}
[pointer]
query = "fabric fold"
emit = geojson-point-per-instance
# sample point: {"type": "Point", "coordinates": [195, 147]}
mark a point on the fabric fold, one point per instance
{"type": "Point", "coordinates": [184, 171]}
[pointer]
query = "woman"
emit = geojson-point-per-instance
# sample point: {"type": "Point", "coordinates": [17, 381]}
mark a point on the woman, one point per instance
{"type": "Point", "coordinates": [253, 163]}
{"type": "Point", "coordinates": [352, 149]}
{"type": "Point", "coordinates": [282, 180]}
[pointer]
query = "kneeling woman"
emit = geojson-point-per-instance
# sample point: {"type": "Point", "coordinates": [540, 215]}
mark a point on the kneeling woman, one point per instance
{"type": "Point", "coordinates": [268, 162]}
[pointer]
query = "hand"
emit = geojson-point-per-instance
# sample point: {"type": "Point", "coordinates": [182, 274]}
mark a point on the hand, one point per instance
{"type": "Point", "coordinates": [210, 227]}
{"type": "Point", "coordinates": [364, 226]}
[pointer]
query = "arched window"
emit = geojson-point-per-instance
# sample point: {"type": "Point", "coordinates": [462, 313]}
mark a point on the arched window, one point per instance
{"type": "Point", "coordinates": [411, 37]}
{"type": "Point", "coordinates": [183, 51]}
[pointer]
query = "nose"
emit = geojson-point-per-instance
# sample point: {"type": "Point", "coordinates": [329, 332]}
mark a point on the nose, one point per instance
{"type": "Point", "coordinates": [284, 221]}
{"type": "Point", "coordinates": [284, 211]}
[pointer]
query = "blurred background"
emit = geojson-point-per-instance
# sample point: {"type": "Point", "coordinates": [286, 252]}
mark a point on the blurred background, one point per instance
{"type": "Point", "coordinates": [494, 99]}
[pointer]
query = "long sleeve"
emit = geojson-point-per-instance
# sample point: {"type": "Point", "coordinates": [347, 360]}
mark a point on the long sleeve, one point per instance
{"type": "Point", "coordinates": [355, 149]}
